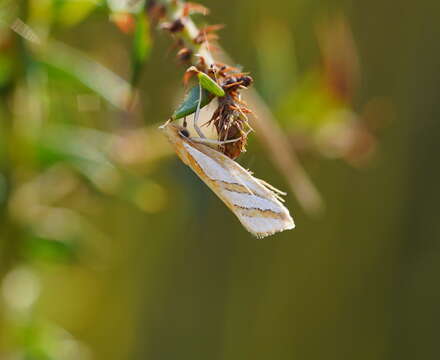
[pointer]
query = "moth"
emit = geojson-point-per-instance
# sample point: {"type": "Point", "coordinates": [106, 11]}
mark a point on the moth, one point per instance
{"type": "Point", "coordinates": [255, 203]}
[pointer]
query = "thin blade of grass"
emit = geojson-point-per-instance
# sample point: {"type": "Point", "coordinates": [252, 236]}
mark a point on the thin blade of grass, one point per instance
{"type": "Point", "coordinates": [92, 74]}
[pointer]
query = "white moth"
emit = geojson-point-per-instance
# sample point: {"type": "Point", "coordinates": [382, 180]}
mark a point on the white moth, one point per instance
{"type": "Point", "coordinates": [256, 204]}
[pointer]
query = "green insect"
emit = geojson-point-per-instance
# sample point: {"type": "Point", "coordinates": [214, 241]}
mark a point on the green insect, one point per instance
{"type": "Point", "coordinates": [198, 97]}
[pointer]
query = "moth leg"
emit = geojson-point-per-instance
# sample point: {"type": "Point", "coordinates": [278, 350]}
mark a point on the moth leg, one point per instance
{"type": "Point", "coordinates": [196, 116]}
{"type": "Point", "coordinates": [215, 142]}
{"type": "Point", "coordinates": [212, 141]}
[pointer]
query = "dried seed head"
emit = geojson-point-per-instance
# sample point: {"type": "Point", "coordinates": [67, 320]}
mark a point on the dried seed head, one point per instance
{"type": "Point", "coordinates": [230, 124]}
{"type": "Point", "coordinates": [208, 33]}
{"type": "Point", "coordinates": [184, 55]}
{"type": "Point", "coordinates": [246, 81]}
{"type": "Point", "coordinates": [237, 81]}
{"type": "Point", "coordinates": [156, 11]}
{"type": "Point", "coordinates": [124, 21]}
{"type": "Point", "coordinates": [194, 8]}
{"type": "Point", "coordinates": [174, 27]}
{"type": "Point", "coordinates": [189, 74]}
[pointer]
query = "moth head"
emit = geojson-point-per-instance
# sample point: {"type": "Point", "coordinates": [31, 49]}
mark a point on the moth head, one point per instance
{"type": "Point", "coordinates": [175, 133]}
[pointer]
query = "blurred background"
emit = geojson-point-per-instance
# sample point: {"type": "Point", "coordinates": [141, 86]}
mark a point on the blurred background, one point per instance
{"type": "Point", "coordinates": [111, 248]}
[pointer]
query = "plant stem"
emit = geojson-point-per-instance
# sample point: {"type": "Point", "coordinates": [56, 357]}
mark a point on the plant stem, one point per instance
{"type": "Point", "coordinates": [267, 128]}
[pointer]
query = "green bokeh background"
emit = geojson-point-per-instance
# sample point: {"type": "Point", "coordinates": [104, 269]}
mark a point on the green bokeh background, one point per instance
{"type": "Point", "coordinates": [187, 282]}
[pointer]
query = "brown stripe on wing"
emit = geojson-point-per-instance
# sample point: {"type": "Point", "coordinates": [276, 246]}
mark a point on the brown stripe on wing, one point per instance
{"type": "Point", "coordinates": [194, 165]}
{"type": "Point", "coordinates": [238, 188]}
{"type": "Point", "coordinates": [243, 189]}
{"type": "Point", "coordinates": [259, 213]}
{"type": "Point", "coordinates": [254, 187]}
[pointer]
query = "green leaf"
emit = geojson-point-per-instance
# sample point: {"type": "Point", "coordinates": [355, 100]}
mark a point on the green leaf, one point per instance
{"type": "Point", "coordinates": [189, 105]}
{"type": "Point", "coordinates": [50, 250]}
{"type": "Point", "coordinates": [141, 44]}
{"type": "Point", "coordinates": [92, 74]}
{"type": "Point", "coordinates": [6, 70]}
{"type": "Point", "coordinates": [210, 85]}
{"type": "Point", "coordinates": [63, 12]}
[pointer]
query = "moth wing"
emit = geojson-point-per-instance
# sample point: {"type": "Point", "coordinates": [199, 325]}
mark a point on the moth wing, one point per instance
{"type": "Point", "coordinates": [256, 206]}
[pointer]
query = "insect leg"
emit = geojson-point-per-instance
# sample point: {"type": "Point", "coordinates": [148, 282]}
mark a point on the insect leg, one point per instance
{"type": "Point", "coordinates": [196, 116]}
{"type": "Point", "coordinates": [216, 142]}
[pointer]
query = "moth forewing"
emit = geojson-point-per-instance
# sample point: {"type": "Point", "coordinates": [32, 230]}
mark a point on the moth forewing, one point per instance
{"type": "Point", "coordinates": [254, 202]}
